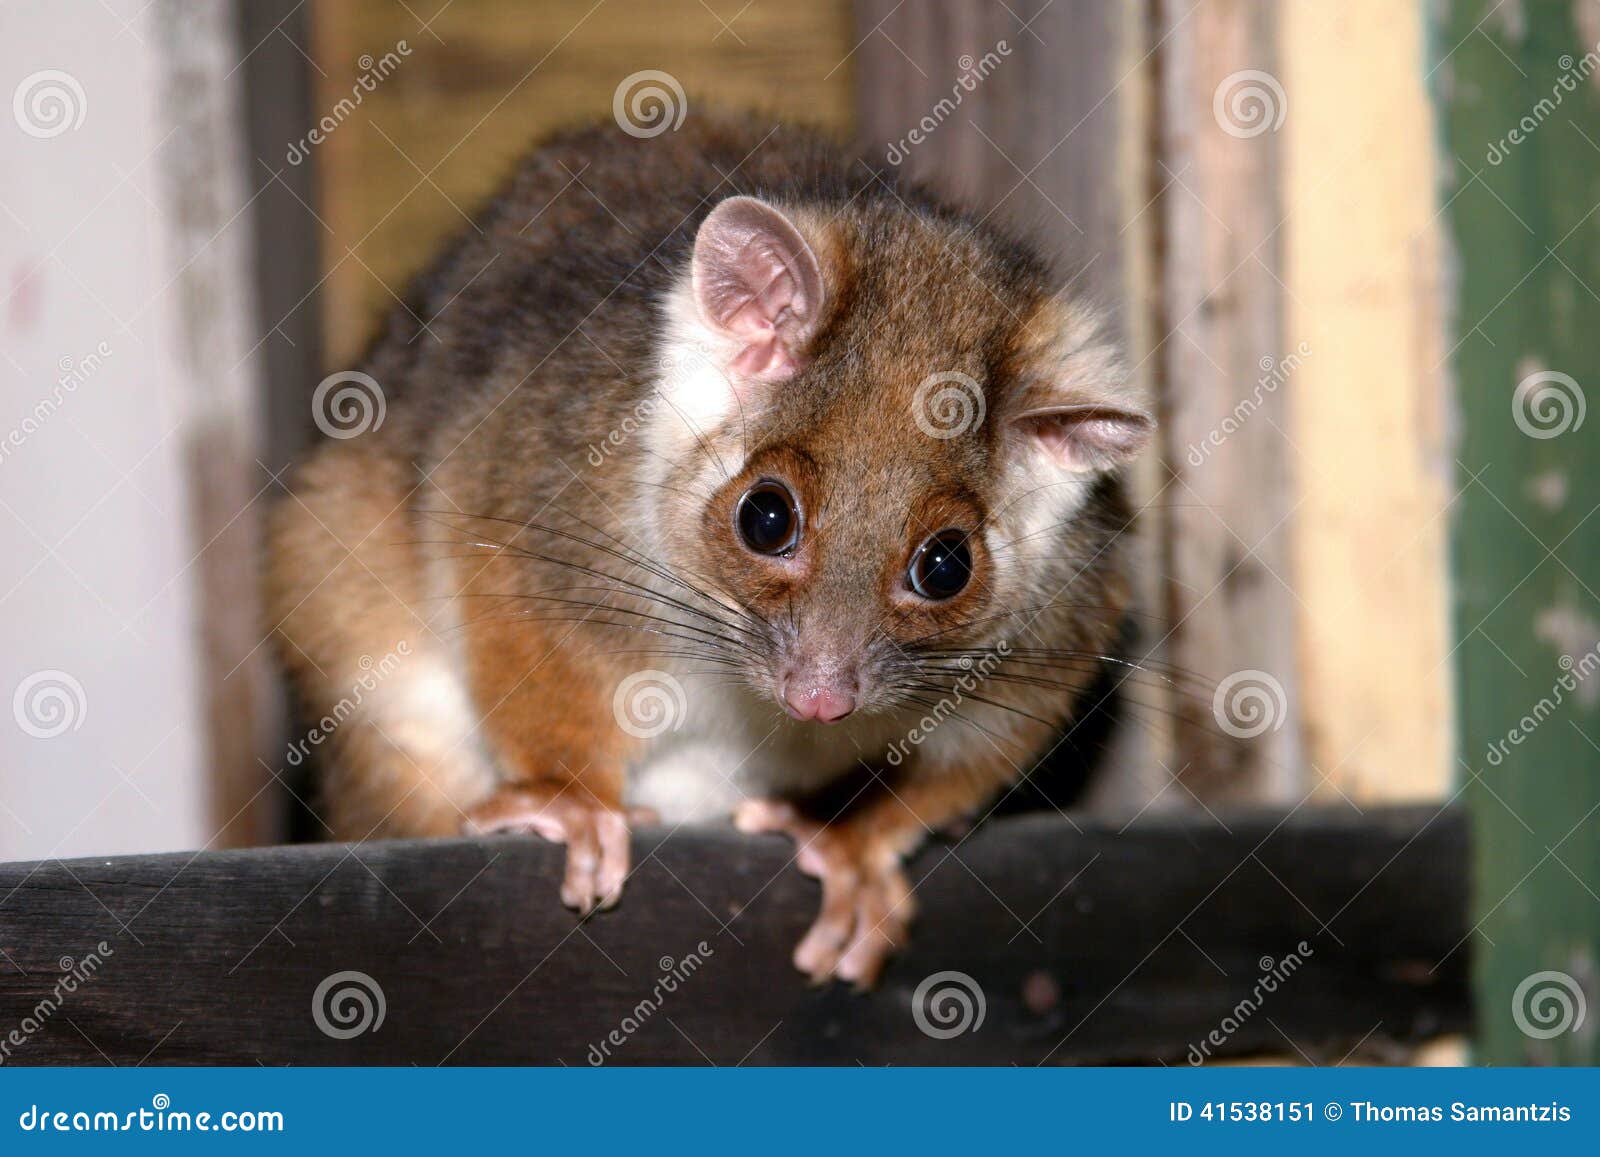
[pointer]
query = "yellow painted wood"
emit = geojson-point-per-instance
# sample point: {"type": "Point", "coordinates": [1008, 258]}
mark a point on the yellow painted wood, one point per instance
{"type": "Point", "coordinates": [1362, 274]}
{"type": "Point", "coordinates": [484, 78]}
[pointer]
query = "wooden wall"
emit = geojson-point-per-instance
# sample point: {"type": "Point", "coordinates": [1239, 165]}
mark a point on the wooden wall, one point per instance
{"type": "Point", "coordinates": [485, 78]}
{"type": "Point", "coordinates": [1367, 433]}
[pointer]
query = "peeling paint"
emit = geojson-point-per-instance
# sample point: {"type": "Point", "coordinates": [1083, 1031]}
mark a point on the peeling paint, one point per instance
{"type": "Point", "coordinates": [1548, 490]}
{"type": "Point", "coordinates": [1586, 19]}
{"type": "Point", "coordinates": [1571, 632]}
{"type": "Point", "coordinates": [1512, 20]}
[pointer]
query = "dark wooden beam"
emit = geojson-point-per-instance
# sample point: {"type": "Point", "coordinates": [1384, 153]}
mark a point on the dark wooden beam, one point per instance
{"type": "Point", "coordinates": [1092, 945]}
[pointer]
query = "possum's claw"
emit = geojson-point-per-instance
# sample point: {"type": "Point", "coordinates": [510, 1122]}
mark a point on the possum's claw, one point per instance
{"type": "Point", "coordinates": [866, 901]}
{"type": "Point", "coordinates": [596, 837]}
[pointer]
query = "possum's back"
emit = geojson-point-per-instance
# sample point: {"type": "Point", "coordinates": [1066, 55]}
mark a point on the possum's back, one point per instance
{"type": "Point", "coordinates": [583, 238]}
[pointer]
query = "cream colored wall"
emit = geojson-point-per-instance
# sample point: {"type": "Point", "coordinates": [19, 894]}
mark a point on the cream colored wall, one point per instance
{"type": "Point", "coordinates": [1363, 274]}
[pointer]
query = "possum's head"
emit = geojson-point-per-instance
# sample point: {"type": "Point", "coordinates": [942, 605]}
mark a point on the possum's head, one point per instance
{"type": "Point", "coordinates": [881, 432]}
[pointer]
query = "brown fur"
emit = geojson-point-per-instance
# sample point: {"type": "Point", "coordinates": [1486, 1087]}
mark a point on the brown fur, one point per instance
{"type": "Point", "coordinates": [476, 526]}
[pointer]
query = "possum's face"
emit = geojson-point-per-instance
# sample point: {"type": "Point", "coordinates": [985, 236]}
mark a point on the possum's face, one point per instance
{"type": "Point", "coordinates": [877, 434]}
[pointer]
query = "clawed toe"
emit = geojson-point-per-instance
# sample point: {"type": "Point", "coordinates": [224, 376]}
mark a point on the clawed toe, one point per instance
{"type": "Point", "coordinates": [866, 901]}
{"type": "Point", "coordinates": [596, 837]}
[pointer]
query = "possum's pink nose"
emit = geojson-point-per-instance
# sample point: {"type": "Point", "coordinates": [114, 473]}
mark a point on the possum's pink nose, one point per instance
{"type": "Point", "coordinates": [805, 699]}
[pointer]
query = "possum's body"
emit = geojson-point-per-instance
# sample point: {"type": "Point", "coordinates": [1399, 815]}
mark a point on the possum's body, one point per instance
{"type": "Point", "coordinates": [542, 517]}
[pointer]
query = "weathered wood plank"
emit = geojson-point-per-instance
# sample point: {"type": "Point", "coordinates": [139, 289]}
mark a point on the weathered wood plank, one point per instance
{"type": "Point", "coordinates": [1218, 197]}
{"type": "Point", "coordinates": [1520, 108]}
{"type": "Point", "coordinates": [1364, 286]}
{"type": "Point", "coordinates": [479, 83]}
{"type": "Point", "coordinates": [1087, 946]}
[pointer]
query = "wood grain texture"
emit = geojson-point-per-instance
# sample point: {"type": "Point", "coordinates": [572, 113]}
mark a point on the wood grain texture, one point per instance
{"type": "Point", "coordinates": [483, 81]}
{"type": "Point", "coordinates": [218, 376]}
{"type": "Point", "coordinates": [1097, 945]}
{"type": "Point", "coordinates": [1232, 605]}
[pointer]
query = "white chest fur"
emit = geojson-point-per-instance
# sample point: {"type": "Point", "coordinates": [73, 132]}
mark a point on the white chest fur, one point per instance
{"type": "Point", "coordinates": [731, 745]}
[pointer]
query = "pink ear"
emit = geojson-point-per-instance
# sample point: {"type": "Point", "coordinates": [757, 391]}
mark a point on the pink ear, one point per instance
{"type": "Point", "coordinates": [757, 280]}
{"type": "Point", "coordinates": [1088, 438]}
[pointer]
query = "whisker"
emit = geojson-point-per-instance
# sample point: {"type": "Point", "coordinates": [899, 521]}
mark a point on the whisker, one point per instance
{"type": "Point", "coordinates": [553, 560]}
{"type": "Point", "coordinates": [631, 557]}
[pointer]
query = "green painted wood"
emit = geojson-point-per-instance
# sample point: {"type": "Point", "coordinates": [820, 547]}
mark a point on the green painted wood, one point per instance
{"type": "Point", "coordinates": [1519, 97]}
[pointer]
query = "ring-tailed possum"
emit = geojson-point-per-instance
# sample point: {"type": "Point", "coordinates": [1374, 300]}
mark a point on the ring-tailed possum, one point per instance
{"type": "Point", "coordinates": [716, 473]}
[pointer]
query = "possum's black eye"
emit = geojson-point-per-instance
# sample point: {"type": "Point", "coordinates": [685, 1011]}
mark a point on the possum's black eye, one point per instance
{"type": "Point", "coordinates": [768, 521]}
{"type": "Point", "coordinates": [942, 566]}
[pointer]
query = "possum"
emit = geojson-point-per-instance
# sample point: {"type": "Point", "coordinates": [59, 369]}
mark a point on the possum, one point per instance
{"type": "Point", "coordinates": [713, 474]}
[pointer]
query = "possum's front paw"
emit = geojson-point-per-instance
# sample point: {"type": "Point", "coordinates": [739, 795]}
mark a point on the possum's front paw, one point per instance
{"type": "Point", "coordinates": [866, 901]}
{"type": "Point", "coordinates": [596, 836]}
